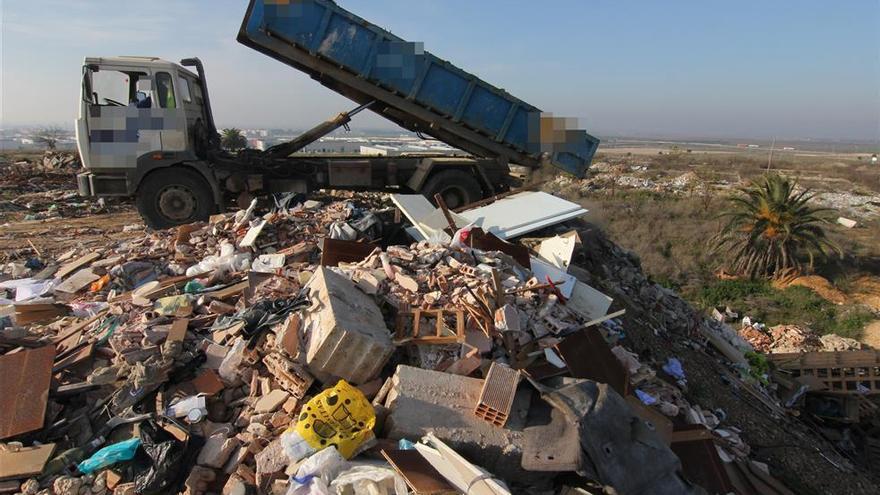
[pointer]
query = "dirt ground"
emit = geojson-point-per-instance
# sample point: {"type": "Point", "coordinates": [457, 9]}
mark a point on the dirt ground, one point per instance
{"type": "Point", "coordinates": [54, 236]}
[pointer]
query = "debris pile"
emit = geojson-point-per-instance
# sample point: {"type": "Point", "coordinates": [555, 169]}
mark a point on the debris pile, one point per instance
{"type": "Point", "coordinates": [329, 347]}
{"type": "Point", "coordinates": [46, 188]}
{"type": "Point", "coordinates": [793, 338]}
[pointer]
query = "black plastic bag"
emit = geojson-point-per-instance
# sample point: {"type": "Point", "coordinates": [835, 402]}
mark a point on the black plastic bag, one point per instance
{"type": "Point", "coordinates": [168, 462]}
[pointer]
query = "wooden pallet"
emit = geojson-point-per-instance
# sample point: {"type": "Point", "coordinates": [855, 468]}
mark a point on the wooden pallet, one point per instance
{"type": "Point", "coordinates": [841, 371]}
{"type": "Point", "coordinates": [409, 327]}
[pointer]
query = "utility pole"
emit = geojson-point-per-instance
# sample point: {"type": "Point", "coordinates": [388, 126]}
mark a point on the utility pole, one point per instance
{"type": "Point", "coordinates": [770, 160]}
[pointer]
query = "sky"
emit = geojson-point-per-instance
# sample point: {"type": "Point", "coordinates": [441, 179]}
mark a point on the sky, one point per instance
{"type": "Point", "coordinates": [790, 69]}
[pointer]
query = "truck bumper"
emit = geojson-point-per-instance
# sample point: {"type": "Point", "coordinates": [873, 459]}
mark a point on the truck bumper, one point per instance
{"type": "Point", "coordinates": [91, 184]}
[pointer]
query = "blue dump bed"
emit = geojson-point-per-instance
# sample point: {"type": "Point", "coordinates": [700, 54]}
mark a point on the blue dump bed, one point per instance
{"type": "Point", "coordinates": [410, 86]}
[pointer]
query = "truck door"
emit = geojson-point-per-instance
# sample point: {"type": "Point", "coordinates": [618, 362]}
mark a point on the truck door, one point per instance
{"type": "Point", "coordinates": [129, 112]}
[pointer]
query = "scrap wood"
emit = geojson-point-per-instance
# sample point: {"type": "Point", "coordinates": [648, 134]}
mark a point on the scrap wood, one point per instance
{"type": "Point", "coordinates": [28, 313]}
{"type": "Point", "coordinates": [549, 285]}
{"type": "Point", "coordinates": [78, 263]}
{"type": "Point", "coordinates": [409, 329]}
{"type": "Point", "coordinates": [466, 477]}
{"type": "Point", "coordinates": [441, 203]}
{"type": "Point", "coordinates": [597, 321]}
{"type": "Point", "coordinates": [418, 473]}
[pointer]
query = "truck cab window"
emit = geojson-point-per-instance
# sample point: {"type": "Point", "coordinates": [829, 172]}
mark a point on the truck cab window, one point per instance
{"type": "Point", "coordinates": [165, 90]}
{"type": "Point", "coordinates": [184, 90]}
{"type": "Point", "coordinates": [110, 88]}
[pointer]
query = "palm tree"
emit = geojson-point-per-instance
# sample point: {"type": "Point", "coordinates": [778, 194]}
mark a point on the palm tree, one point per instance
{"type": "Point", "coordinates": [770, 227]}
{"type": "Point", "coordinates": [233, 140]}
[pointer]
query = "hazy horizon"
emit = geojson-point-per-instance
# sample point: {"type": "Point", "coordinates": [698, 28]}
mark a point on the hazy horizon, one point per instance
{"type": "Point", "coordinates": [794, 70]}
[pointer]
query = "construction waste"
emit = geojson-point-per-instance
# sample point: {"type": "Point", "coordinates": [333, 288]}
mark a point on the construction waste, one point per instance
{"type": "Point", "coordinates": [37, 190]}
{"type": "Point", "coordinates": [332, 347]}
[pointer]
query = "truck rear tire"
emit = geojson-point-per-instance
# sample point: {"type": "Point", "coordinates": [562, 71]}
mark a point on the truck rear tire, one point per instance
{"type": "Point", "coordinates": [174, 196]}
{"type": "Point", "coordinates": [457, 187]}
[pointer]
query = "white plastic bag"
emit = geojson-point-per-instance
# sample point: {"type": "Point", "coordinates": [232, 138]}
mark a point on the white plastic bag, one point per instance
{"type": "Point", "coordinates": [372, 478]}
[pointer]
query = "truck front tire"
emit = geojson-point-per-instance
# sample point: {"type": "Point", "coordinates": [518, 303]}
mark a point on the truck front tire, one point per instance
{"type": "Point", "coordinates": [174, 196]}
{"type": "Point", "coordinates": [457, 187]}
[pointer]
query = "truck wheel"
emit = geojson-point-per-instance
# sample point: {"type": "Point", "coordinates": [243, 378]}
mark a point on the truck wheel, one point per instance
{"type": "Point", "coordinates": [457, 187]}
{"type": "Point", "coordinates": [174, 196]}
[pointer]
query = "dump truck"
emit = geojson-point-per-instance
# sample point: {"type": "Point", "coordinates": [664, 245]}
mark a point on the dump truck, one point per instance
{"type": "Point", "coordinates": [146, 127]}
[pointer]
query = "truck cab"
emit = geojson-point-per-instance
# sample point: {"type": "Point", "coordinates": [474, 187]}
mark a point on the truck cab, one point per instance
{"type": "Point", "coordinates": [136, 114]}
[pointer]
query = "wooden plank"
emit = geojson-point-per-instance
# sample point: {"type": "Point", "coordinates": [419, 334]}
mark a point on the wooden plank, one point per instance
{"type": "Point", "coordinates": [80, 355]}
{"type": "Point", "coordinates": [26, 462]}
{"type": "Point", "coordinates": [79, 281]}
{"type": "Point", "coordinates": [84, 260]}
{"type": "Point", "coordinates": [418, 473]}
{"type": "Point", "coordinates": [588, 356]}
{"type": "Point", "coordinates": [230, 291]}
{"type": "Point", "coordinates": [77, 327]}
{"type": "Point", "coordinates": [178, 330]}
{"type": "Point", "coordinates": [24, 390]}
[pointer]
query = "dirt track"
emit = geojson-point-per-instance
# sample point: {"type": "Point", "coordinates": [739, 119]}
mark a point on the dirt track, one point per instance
{"type": "Point", "coordinates": [54, 236]}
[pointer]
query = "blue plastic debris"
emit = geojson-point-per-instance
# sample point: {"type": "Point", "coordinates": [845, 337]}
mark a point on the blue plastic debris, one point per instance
{"type": "Point", "coordinates": [646, 398]}
{"type": "Point", "coordinates": [673, 368]}
{"type": "Point", "coordinates": [118, 452]}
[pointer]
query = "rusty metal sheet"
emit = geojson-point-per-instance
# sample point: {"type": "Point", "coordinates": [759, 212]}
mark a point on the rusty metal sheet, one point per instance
{"type": "Point", "coordinates": [588, 356]}
{"type": "Point", "coordinates": [24, 390]}
{"type": "Point", "coordinates": [334, 252]}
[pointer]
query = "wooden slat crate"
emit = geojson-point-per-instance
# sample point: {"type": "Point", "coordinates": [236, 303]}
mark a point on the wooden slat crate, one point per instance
{"type": "Point", "coordinates": [842, 371]}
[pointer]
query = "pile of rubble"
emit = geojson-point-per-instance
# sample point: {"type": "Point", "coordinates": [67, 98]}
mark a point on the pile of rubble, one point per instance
{"type": "Point", "coordinates": [46, 188]}
{"type": "Point", "coordinates": [793, 338]}
{"type": "Point", "coordinates": [331, 347]}
{"type": "Point", "coordinates": [606, 177]}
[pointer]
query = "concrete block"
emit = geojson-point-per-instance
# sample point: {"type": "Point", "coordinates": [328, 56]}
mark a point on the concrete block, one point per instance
{"type": "Point", "coordinates": [271, 401]}
{"type": "Point", "coordinates": [421, 401]}
{"type": "Point", "coordinates": [346, 335]}
{"type": "Point", "coordinates": [216, 451]}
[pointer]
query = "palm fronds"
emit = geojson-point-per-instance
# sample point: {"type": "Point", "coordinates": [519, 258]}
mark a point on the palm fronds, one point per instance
{"type": "Point", "coordinates": [771, 229]}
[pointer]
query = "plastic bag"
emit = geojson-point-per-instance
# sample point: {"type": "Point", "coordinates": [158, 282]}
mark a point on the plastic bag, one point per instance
{"type": "Point", "coordinates": [340, 416]}
{"type": "Point", "coordinates": [168, 461]}
{"type": "Point", "coordinates": [369, 478]}
{"type": "Point", "coordinates": [315, 473]}
{"type": "Point", "coordinates": [118, 452]}
{"type": "Point", "coordinates": [227, 261]}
